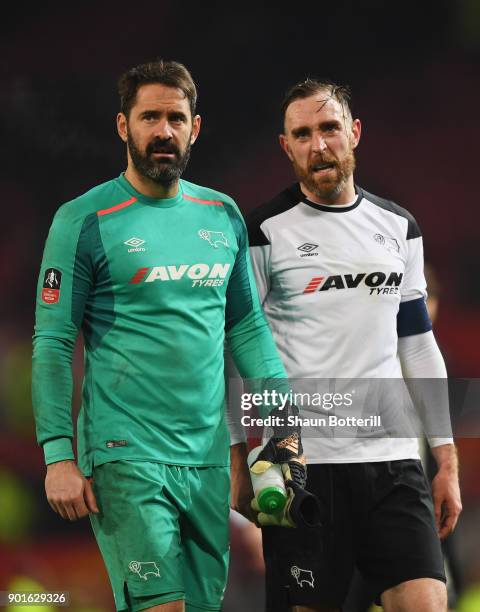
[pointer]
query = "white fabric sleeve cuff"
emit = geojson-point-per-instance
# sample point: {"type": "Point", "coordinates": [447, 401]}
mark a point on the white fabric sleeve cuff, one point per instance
{"type": "Point", "coordinates": [420, 357]}
{"type": "Point", "coordinates": [433, 442]}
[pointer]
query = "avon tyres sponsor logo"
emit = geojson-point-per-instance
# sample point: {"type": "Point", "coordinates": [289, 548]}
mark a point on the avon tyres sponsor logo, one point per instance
{"type": "Point", "coordinates": [378, 282]}
{"type": "Point", "coordinates": [201, 274]}
{"type": "Point", "coordinates": [51, 286]}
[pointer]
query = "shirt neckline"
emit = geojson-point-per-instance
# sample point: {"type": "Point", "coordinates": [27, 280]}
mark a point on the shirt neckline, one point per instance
{"type": "Point", "coordinates": [325, 207]}
{"type": "Point", "coordinates": [159, 202]}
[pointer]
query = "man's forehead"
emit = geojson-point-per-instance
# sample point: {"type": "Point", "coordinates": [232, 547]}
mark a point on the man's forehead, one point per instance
{"type": "Point", "coordinates": [156, 94]}
{"type": "Point", "coordinates": [319, 107]}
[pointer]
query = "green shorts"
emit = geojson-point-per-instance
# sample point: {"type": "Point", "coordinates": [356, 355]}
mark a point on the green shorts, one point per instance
{"type": "Point", "coordinates": [163, 533]}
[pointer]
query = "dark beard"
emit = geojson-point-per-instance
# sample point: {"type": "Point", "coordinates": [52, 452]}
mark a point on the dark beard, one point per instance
{"type": "Point", "coordinates": [163, 172]}
{"type": "Point", "coordinates": [327, 188]}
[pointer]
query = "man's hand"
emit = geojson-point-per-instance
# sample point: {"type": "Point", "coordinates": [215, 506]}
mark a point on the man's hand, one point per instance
{"type": "Point", "coordinates": [446, 489]}
{"type": "Point", "coordinates": [297, 480]}
{"type": "Point", "coordinates": [285, 448]}
{"type": "Point", "coordinates": [277, 519]}
{"type": "Point", "coordinates": [285, 445]}
{"type": "Point", "coordinates": [69, 493]}
{"type": "Point", "coordinates": [302, 509]}
{"type": "Point", "coordinates": [241, 491]}
{"type": "Point", "coordinates": [285, 451]}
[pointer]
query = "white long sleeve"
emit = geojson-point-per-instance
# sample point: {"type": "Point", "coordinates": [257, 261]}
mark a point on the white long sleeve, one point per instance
{"type": "Point", "coordinates": [420, 357]}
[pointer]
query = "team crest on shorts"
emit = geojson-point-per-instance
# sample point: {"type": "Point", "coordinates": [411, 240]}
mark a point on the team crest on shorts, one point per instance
{"type": "Point", "coordinates": [144, 568]}
{"type": "Point", "coordinates": [302, 575]}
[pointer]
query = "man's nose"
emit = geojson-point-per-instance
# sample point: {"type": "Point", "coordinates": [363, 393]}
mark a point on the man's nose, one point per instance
{"type": "Point", "coordinates": [163, 130]}
{"type": "Point", "coordinates": [319, 144]}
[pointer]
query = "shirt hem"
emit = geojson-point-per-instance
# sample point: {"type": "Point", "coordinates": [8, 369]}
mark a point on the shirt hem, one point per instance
{"type": "Point", "coordinates": [164, 460]}
{"type": "Point", "coordinates": [399, 457]}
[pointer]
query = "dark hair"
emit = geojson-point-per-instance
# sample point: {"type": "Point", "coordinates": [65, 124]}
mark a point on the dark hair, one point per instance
{"type": "Point", "coordinates": [310, 87]}
{"type": "Point", "coordinates": [165, 72]}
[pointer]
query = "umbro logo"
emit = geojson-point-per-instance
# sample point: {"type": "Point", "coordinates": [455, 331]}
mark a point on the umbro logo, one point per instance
{"type": "Point", "coordinates": [307, 249]}
{"type": "Point", "coordinates": [136, 244]}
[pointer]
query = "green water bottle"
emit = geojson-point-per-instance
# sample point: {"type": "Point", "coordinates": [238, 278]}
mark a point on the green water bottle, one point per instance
{"type": "Point", "coordinates": [268, 486]}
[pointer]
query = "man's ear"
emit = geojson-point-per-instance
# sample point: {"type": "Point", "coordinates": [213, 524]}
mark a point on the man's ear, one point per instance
{"type": "Point", "coordinates": [197, 120]}
{"type": "Point", "coordinates": [282, 139]}
{"type": "Point", "coordinates": [356, 132]}
{"type": "Point", "coordinates": [122, 126]}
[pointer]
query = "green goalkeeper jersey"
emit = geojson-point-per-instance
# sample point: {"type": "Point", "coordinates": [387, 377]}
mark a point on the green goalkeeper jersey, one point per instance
{"type": "Point", "coordinates": [155, 285]}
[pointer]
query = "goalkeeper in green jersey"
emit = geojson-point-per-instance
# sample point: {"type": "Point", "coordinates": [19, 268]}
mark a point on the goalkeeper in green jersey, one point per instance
{"type": "Point", "coordinates": [155, 271]}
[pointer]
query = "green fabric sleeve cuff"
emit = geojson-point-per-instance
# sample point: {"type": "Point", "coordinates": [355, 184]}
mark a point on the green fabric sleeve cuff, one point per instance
{"type": "Point", "coordinates": [59, 449]}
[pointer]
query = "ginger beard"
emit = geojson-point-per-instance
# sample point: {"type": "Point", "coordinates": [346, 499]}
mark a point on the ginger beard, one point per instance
{"type": "Point", "coordinates": [330, 185]}
{"type": "Point", "coordinates": [163, 171]}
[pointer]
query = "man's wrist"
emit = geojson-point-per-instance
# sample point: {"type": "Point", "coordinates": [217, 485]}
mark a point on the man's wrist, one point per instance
{"type": "Point", "coordinates": [286, 421]}
{"type": "Point", "coordinates": [59, 464]}
{"type": "Point", "coordinates": [240, 482]}
{"type": "Point", "coordinates": [238, 460]}
{"type": "Point", "coordinates": [58, 449]}
{"type": "Point", "coordinates": [446, 457]}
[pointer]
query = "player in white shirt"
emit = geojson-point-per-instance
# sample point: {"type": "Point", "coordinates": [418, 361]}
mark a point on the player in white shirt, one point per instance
{"type": "Point", "coordinates": [340, 276]}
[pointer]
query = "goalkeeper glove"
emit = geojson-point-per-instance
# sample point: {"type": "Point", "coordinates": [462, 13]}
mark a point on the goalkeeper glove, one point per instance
{"type": "Point", "coordinates": [286, 443]}
{"type": "Point", "coordinates": [285, 447]}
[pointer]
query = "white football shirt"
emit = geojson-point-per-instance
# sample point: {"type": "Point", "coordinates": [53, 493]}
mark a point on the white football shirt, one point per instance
{"type": "Point", "coordinates": [335, 281]}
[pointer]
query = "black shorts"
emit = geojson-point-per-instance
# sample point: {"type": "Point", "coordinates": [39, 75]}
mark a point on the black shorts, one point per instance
{"type": "Point", "coordinates": [378, 517]}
